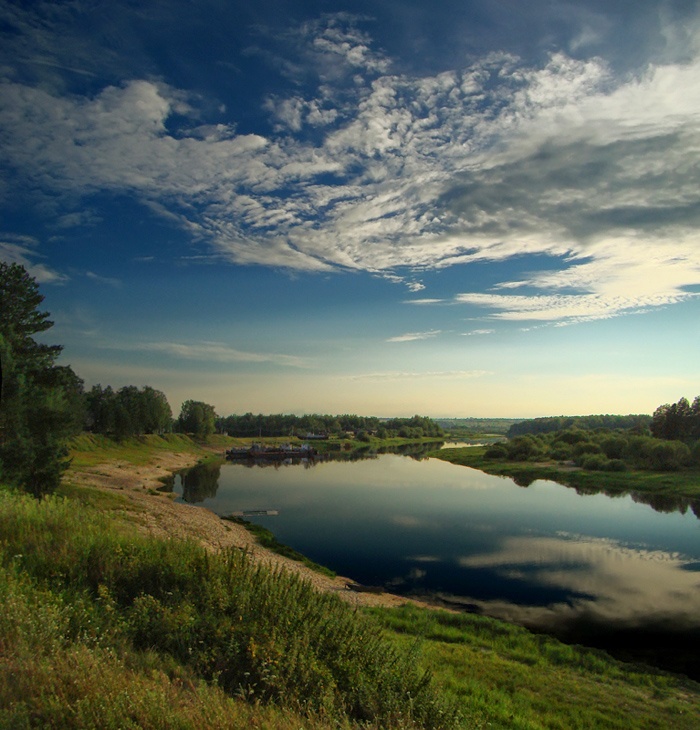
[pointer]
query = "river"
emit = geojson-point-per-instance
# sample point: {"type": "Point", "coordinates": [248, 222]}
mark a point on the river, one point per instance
{"type": "Point", "coordinates": [609, 572]}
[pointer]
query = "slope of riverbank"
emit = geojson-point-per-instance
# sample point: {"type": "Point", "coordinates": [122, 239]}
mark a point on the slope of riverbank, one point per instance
{"type": "Point", "coordinates": [137, 478]}
{"type": "Point", "coordinates": [70, 667]}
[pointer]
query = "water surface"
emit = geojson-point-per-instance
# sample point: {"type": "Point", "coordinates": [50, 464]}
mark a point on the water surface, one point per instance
{"type": "Point", "coordinates": [602, 571]}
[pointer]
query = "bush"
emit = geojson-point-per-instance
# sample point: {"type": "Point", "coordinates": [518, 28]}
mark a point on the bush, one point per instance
{"type": "Point", "coordinates": [572, 436]}
{"type": "Point", "coordinates": [616, 465]}
{"type": "Point", "coordinates": [522, 448]}
{"type": "Point", "coordinates": [561, 452]}
{"type": "Point", "coordinates": [613, 447]}
{"type": "Point", "coordinates": [262, 635]}
{"type": "Point", "coordinates": [669, 455]}
{"type": "Point", "coordinates": [497, 453]}
{"type": "Point", "coordinates": [594, 462]}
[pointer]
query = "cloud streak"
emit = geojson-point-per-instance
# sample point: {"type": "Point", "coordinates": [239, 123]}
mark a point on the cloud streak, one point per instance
{"type": "Point", "coordinates": [378, 171]}
{"type": "Point", "coordinates": [216, 352]}
{"type": "Point", "coordinates": [412, 336]}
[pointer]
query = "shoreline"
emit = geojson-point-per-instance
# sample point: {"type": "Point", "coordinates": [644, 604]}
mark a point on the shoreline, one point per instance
{"type": "Point", "coordinates": [154, 512]}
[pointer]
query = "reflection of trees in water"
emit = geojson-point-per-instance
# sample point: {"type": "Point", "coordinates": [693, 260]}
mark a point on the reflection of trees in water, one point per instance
{"type": "Point", "coordinates": [665, 503]}
{"type": "Point", "coordinates": [415, 451]}
{"type": "Point", "coordinates": [668, 503]}
{"type": "Point", "coordinates": [200, 482]}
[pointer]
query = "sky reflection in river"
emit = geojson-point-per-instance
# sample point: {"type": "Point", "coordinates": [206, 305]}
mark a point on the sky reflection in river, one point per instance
{"type": "Point", "coordinates": [543, 556]}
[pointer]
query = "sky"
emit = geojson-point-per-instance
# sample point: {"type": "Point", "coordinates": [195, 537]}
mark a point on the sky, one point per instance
{"type": "Point", "coordinates": [460, 208]}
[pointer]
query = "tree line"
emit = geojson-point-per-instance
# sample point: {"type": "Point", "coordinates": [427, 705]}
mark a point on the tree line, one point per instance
{"type": "Point", "coordinates": [548, 424]}
{"type": "Point", "coordinates": [677, 421]}
{"type": "Point", "coordinates": [43, 405]}
{"type": "Point", "coordinates": [260, 425]}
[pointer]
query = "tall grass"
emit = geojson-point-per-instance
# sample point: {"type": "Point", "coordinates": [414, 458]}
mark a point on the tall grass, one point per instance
{"type": "Point", "coordinates": [503, 676]}
{"type": "Point", "coordinates": [258, 635]}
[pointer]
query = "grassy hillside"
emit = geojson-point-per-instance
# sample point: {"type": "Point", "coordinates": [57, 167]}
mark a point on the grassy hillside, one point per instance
{"type": "Point", "coordinates": [85, 595]}
{"type": "Point", "coordinates": [102, 627]}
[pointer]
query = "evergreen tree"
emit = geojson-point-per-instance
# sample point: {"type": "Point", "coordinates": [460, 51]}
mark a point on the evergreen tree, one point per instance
{"type": "Point", "coordinates": [40, 402]}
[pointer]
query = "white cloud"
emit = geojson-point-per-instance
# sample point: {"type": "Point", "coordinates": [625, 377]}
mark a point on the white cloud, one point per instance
{"type": "Point", "coordinates": [213, 352]}
{"type": "Point", "coordinates": [410, 336]}
{"type": "Point", "coordinates": [622, 277]}
{"type": "Point", "coordinates": [109, 280]}
{"type": "Point", "coordinates": [477, 164]}
{"type": "Point", "coordinates": [22, 250]}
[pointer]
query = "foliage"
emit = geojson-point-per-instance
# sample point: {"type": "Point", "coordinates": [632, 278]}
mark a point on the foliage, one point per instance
{"type": "Point", "coordinates": [127, 412]}
{"type": "Point", "coordinates": [197, 418]}
{"type": "Point", "coordinates": [258, 634]}
{"type": "Point", "coordinates": [472, 427]}
{"type": "Point", "coordinates": [250, 425]}
{"type": "Point", "coordinates": [663, 490]}
{"type": "Point", "coordinates": [548, 424]}
{"type": "Point", "coordinates": [599, 450]}
{"type": "Point", "coordinates": [40, 402]}
{"type": "Point", "coordinates": [503, 676]}
{"type": "Point", "coordinates": [678, 421]}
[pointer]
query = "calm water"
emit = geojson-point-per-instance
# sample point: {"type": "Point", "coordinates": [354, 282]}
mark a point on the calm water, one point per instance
{"type": "Point", "coordinates": [601, 571]}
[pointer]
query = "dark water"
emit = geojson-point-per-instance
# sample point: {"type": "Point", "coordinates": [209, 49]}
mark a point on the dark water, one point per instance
{"type": "Point", "coordinates": [610, 572]}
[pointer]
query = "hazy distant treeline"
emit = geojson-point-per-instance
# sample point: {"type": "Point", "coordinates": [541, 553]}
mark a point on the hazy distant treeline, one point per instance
{"type": "Point", "coordinates": [559, 423]}
{"type": "Point", "coordinates": [259, 425]}
{"type": "Point", "coordinates": [132, 411]}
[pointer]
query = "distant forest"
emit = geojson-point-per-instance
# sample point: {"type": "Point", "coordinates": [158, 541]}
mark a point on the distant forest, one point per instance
{"type": "Point", "coordinates": [475, 426]}
{"type": "Point", "coordinates": [560, 423]}
{"type": "Point", "coordinates": [131, 411]}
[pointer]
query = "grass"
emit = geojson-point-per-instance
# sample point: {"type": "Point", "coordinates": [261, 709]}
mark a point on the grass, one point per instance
{"type": "Point", "coordinates": [92, 449]}
{"type": "Point", "coordinates": [680, 484]}
{"type": "Point", "coordinates": [503, 676]}
{"type": "Point", "coordinates": [102, 627]}
{"type": "Point", "coordinates": [112, 606]}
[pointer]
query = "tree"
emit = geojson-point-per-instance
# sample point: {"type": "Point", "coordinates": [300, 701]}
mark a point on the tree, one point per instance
{"type": "Point", "coordinates": [128, 412]}
{"type": "Point", "coordinates": [40, 402]}
{"type": "Point", "coordinates": [197, 418]}
{"type": "Point", "coordinates": [677, 421]}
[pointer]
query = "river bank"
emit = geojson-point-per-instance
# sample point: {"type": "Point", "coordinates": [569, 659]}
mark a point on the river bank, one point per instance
{"type": "Point", "coordinates": [500, 675]}
{"type": "Point", "coordinates": [139, 488]}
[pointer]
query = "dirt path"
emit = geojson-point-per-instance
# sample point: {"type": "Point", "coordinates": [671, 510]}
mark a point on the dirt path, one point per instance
{"type": "Point", "coordinates": [157, 514]}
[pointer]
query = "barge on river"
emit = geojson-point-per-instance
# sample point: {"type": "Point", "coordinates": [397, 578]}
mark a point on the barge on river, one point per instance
{"type": "Point", "coordinates": [278, 451]}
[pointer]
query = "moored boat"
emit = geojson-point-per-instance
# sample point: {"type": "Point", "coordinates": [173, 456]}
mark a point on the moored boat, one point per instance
{"type": "Point", "coordinates": [277, 451]}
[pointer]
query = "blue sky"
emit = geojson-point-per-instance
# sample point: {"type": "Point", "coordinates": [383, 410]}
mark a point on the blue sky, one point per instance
{"type": "Point", "coordinates": [451, 208]}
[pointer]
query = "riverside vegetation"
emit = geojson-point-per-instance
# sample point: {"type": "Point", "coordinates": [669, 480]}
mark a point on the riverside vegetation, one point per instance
{"type": "Point", "coordinates": [611, 460]}
{"type": "Point", "coordinates": [104, 627]}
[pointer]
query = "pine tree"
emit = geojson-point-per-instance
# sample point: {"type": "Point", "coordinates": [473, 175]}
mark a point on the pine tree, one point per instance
{"type": "Point", "coordinates": [41, 403]}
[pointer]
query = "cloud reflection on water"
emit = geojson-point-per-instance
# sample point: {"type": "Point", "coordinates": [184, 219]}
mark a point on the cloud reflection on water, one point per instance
{"type": "Point", "coordinates": [613, 583]}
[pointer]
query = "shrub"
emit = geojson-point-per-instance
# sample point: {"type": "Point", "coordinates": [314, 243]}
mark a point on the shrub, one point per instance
{"type": "Point", "coordinates": [522, 448]}
{"type": "Point", "coordinates": [594, 462]}
{"type": "Point", "coordinates": [561, 452]}
{"type": "Point", "coordinates": [497, 452]}
{"type": "Point", "coordinates": [263, 635]}
{"type": "Point", "coordinates": [572, 436]}
{"type": "Point", "coordinates": [669, 455]}
{"type": "Point", "coordinates": [613, 447]}
{"type": "Point", "coordinates": [616, 465]}
{"type": "Point", "coordinates": [583, 450]}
